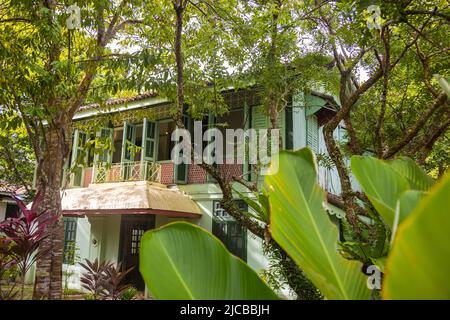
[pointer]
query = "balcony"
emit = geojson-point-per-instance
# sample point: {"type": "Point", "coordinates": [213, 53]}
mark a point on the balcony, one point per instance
{"type": "Point", "coordinates": [126, 171]}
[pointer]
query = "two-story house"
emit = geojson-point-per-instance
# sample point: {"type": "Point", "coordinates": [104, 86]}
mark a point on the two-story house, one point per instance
{"type": "Point", "coordinates": [133, 186]}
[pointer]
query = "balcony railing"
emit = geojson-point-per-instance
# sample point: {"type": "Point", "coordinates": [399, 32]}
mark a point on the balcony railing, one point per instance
{"type": "Point", "coordinates": [127, 171]}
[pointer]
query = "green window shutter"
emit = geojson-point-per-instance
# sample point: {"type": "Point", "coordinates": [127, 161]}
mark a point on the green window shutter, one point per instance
{"type": "Point", "coordinates": [149, 134]}
{"type": "Point", "coordinates": [149, 146]}
{"type": "Point", "coordinates": [128, 142]}
{"type": "Point", "coordinates": [282, 126]}
{"type": "Point", "coordinates": [181, 170]}
{"type": "Point", "coordinates": [211, 124]}
{"type": "Point", "coordinates": [259, 119]}
{"type": "Point", "coordinates": [312, 133]}
{"type": "Point", "coordinates": [288, 140]}
{"type": "Point", "coordinates": [106, 135]}
{"type": "Point", "coordinates": [78, 157]}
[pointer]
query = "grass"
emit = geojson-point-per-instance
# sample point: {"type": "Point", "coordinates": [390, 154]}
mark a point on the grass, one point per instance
{"type": "Point", "coordinates": [68, 294]}
{"type": "Point", "coordinates": [27, 292]}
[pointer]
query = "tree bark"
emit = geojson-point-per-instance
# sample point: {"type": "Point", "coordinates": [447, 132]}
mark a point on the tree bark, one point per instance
{"type": "Point", "coordinates": [48, 280]}
{"type": "Point", "coordinates": [179, 9]}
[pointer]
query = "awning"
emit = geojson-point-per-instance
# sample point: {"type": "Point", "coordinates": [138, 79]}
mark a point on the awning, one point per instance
{"type": "Point", "coordinates": [140, 197]}
{"type": "Point", "coordinates": [313, 104]}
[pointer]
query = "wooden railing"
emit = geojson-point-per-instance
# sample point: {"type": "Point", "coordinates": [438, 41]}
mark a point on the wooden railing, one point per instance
{"type": "Point", "coordinates": [127, 171]}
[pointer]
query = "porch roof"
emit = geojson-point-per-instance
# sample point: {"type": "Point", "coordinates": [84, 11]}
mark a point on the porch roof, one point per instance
{"type": "Point", "coordinates": [139, 197]}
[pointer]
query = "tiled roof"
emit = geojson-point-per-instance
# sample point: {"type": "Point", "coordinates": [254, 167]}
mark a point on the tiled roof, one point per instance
{"type": "Point", "coordinates": [10, 188]}
{"type": "Point", "coordinates": [117, 101]}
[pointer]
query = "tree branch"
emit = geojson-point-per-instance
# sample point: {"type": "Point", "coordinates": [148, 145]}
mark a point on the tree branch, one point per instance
{"type": "Point", "coordinates": [411, 133]}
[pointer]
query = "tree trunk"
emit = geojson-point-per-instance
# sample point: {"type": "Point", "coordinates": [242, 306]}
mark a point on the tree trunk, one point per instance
{"type": "Point", "coordinates": [179, 9]}
{"type": "Point", "coordinates": [295, 277]}
{"type": "Point", "coordinates": [48, 280]}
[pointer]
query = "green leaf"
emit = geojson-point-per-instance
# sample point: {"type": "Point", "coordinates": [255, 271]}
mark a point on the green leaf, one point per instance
{"type": "Point", "coordinates": [381, 183]}
{"type": "Point", "coordinates": [263, 199]}
{"type": "Point", "coordinates": [416, 176]}
{"type": "Point", "coordinates": [419, 263]}
{"type": "Point", "coordinates": [184, 261]}
{"type": "Point", "coordinates": [301, 226]}
{"type": "Point", "coordinates": [407, 201]}
{"type": "Point", "coordinates": [379, 262]}
{"type": "Point", "coordinates": [261, 213]}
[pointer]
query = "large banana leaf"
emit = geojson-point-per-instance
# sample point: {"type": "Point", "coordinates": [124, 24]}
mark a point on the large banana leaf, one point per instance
{"type": "Point", "coordinates": [417, 178]}
{"type": "Point", "coordinates": [406, 204]}
{"type": "Point", "coordinates": [418, 266]}
{"type": "Point", "coordinates": [301, 226]}
{"type": "Point", "coordinates": [184, 261]}
{"type": "Point", "coordinates": [381, 183]}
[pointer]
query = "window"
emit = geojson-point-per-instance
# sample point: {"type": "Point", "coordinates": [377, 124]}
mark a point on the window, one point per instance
{"type": "Point", "coordinates": [78, 157]}
{"type": "Point", "coordinates": [230, 232]}
{"type": "Point", "coordinates": [117, 154]}
{"type": "Point", "coordinates": [136, 236]}
{"type": "Point", "coordinates": [234, 119]}
{"type": "Point", "coordinates": [289, 129]}
{"type": "Point", "coordinates": [149, 138]}
{"type": "Point", "coordinates": [70, 233]}
{"type": "Point", "coordinates": [165, 144]}
{"type": "Point", "coordinates": [12, 211]}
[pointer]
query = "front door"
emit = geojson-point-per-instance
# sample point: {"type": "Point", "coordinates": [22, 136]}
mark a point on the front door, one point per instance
{"type": "Point", "coordinates": [132, 230]}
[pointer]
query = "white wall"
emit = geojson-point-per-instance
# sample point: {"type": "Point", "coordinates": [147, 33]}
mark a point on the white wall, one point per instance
{"type": "Point", "coordinates": [111, 239]}
{"type": "Point", "coordinates": [83, 237]}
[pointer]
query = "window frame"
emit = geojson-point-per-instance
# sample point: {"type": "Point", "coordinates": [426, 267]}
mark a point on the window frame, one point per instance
{"type": "Point", "coordinates": [230, 223]}
{"type": "Point", "coordinates": [70, 239]}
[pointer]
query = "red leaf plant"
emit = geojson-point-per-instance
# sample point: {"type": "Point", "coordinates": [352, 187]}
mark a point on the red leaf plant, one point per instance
{"type": "Point", "coordinates": [7, 262]}
{"type": "Point", "coordinates": [27, 231]}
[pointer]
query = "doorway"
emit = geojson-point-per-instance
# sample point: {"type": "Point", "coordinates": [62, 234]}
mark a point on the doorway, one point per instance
{"type": "Point", "coordinates": [131, 231]}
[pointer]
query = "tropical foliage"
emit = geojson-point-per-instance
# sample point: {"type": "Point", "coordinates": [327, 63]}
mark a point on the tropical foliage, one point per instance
{"type": "Point", "coordinates": [104, 280]}
{"type": "Point", "coordinates": [183, 261]}
{"type": "Point", "coordinates": [378, 80]}
{"type": "Point", "coordinates": [303, 228]}
{"type": "Point", "coordinates": [24, 234]}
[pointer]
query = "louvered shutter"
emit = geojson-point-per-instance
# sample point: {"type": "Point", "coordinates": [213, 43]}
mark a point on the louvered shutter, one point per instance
{"type": "Point", "coordinates": [312, 133]}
